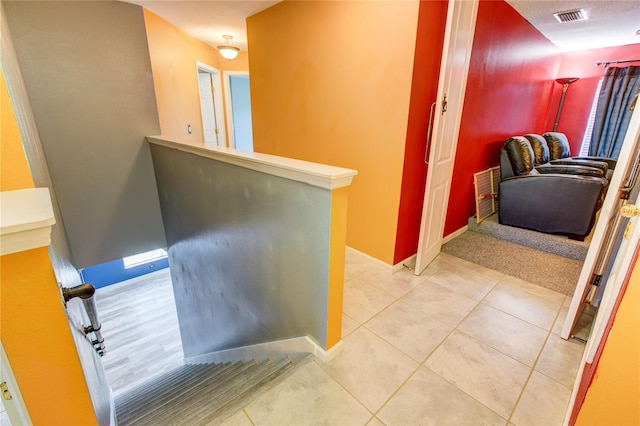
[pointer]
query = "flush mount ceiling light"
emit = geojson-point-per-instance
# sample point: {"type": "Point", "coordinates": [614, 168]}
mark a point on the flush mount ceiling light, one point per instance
{"type": "Point", "coordinates": [228, 51]}
{"type": "Point", "coordinates": [571, 15]}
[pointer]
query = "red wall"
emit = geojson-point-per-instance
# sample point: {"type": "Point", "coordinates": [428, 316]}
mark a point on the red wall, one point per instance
{"type": "Point", "coordinates": [579, 97]}
{"type": "Point", "coordinates": [509, 92]}
{"type": "Point", "coordinates": [424, 87]}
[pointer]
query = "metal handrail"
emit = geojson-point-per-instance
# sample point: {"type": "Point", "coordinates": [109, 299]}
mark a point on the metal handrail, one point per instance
{"type": "Point", "coordinates": [85, 292]}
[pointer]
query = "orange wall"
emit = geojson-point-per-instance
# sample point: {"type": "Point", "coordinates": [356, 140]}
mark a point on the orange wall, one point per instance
{"type": "Point", "coordinates": [330, 83]}
{"type": "Point", "coordinates": [614, 395]}
{"type": "Point", "coordinates": [174, 54]}
{"type": "Point", "coordinates": [33, 324]}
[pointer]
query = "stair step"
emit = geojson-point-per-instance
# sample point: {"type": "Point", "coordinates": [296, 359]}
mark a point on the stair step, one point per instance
{"type": "Point", "coordinates": [247, 394]}
{"type": "Point", "coordinates": [176, 407]}
{"type": "Point", "coordinates": [155, 398]}
{"type": "Point", "coordinates": [183, 376]}
{"type": "Point", "coordinates": [136, 392]}
{"type": "Point", "coordinates": [200, 393]}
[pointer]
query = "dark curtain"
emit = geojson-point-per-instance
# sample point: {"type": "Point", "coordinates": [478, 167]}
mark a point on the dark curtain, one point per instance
{"type": "Point", "coordinates": [613, 113]}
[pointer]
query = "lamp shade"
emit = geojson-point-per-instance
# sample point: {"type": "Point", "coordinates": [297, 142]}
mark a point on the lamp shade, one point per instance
{"type": "Point", "coordinates": [566, 80]}
{"type": "Point", "coordinates": [228, 52]}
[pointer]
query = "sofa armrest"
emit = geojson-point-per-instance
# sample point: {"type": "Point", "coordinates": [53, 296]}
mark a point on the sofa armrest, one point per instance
{"type": "Point", "coordinates": [611, 162]}
{"type": "Point", "coordinates": [582, 162]}
{"type": "Point", "coordinates": [570, 169]}
{"type": "Point", "coordinates": [551, 203]}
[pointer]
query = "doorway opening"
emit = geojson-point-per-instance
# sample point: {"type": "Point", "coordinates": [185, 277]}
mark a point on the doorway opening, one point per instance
{"type": "Point", "coordinates": [210, 89]}
{"type": "Point", "coordinates": [238, 103]}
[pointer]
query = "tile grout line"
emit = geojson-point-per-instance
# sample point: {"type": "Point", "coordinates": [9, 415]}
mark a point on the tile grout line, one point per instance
{"type": "Point", "coordinates": [533, 367]}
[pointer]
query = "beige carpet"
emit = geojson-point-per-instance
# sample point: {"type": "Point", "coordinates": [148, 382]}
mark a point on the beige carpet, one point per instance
{"type": "Point", "coordinates": [538, 267]}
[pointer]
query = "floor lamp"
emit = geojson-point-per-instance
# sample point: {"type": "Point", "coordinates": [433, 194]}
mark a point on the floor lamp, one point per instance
{"type": "Point", "coordinates": [565, 85]}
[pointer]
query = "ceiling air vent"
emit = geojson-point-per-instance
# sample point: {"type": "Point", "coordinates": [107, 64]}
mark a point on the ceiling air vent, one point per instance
{"type": "Point", "coordinates": [571, 15]}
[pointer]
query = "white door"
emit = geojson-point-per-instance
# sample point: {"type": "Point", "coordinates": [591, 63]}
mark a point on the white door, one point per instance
{"type": "Point", "coordinates": [10, 393]}
{"type": "Point", "coordinates": [458, 41]}
{"type": "Point", "coordinates": [210, 88]}
{"type": "Point", "coordinates": [608, 245]}
{"type": "Point", "coordinates": [207, 108]}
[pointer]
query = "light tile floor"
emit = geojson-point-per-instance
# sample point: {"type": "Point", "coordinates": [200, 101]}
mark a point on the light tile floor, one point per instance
{"type": "Point", "coordinates": [458, 345]}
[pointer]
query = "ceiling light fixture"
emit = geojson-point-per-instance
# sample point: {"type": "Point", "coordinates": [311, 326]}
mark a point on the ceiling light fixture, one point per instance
{"type": "Point", "coordinates": [571, 15]}
{"type": "Point", "coordinates": [228, 51]}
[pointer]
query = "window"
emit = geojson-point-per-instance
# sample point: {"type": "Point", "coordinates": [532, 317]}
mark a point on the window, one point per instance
{"type": "Point", "coordinates": [142, 258]}
{"type": "Point", "coordinates": [586, 141]}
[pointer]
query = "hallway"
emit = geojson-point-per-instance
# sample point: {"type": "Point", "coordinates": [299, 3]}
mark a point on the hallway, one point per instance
{"type": "Point", "coordinates": [460, 344]}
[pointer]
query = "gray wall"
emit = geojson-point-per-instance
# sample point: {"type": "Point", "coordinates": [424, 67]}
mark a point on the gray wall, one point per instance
{"type": "Point", "coordinates": [66, 274]}
{"type": "Point", "coordinates": [88, 76]}
{"type": "Point", "coordinates": [249, 252]}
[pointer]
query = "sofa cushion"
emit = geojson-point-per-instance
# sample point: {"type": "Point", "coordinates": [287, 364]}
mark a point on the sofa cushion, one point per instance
{"type": "Point", "coordinates": [520, 155]}
{"type": "Point", "coordinates": [540, 148]}
{"type": "Point", "coordinates": [558, 145]}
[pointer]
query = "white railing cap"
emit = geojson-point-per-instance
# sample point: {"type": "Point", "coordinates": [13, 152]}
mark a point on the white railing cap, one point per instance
{"type": "Point", "coordinates": [26, 216]}
{"type": "Point", "coordinates": [315, 174]}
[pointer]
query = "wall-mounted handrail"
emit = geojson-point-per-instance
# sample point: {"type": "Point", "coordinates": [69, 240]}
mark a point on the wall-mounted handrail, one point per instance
{"type": "Point", "coordinates": [85, 292]}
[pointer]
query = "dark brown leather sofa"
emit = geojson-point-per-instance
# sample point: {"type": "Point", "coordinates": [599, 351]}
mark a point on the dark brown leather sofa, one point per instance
{"type": "Point", "coordinates": [549, 198]}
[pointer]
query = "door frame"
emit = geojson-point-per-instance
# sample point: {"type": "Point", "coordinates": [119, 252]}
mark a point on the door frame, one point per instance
{"type": "Point", "coordinates": [15, 407]}
{"type": "Point", "coordinates": [608, 212]}
{"type": "Point", "coordinates": [623, 265]}
{"type": "Point", "coordinates": [459, 31]}
{"type": "Point", "coordinates": [216, 81]}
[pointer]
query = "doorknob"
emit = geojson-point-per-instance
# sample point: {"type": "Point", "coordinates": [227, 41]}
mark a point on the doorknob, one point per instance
{"type": "Point", "coordinates": [629, 210]}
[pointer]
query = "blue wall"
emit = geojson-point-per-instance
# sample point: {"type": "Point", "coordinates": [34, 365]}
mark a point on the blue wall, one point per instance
{"type": "Point", "coordinates": [113, 272]}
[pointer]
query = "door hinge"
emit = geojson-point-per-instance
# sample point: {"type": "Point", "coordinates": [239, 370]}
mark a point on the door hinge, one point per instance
{"type": "Point", "coordinates": [444, 104]}
{"type": "Point", "coordinates": [6, 395]}
{"type": "Point", "coordinates": [216, 131]}
{"type": "Point", "coordinates": [213, 89]}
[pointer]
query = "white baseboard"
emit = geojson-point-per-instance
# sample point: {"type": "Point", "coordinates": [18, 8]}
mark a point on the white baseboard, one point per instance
{"type": "Point", "coordinates": [455, 234]}
{"type": "Point", "coordinates": [296, 348]}
{"type": "Point", "coordinates": [326, 356]}
{"type": "Point", "coordinates": [409, 262]}
{"type": "Point", "coordinates": [378, 262]}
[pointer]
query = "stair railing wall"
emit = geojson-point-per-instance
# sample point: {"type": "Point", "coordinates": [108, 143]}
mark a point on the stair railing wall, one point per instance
{"type": "Point", "coordinates": [255, 245]}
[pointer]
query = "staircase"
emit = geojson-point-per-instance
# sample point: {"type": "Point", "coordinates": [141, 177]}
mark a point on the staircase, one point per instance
{"type": "Point", "coordinates": [200, 393]}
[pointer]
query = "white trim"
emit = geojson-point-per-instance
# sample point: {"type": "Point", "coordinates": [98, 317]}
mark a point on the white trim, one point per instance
{"type": "Point", "coordinates": [217, 86]}
{"type": "Point", "coordinates": [227, 102]}
{"type": "Point", "coordinates": [15, 407]}
{"type": "Point", "coordinates": [314, 174]}
{"type": "Point", "coordinates": [622, 263]}
{"type": "Point", "coordinates": [296, 348]}
{"type": "Point", "coordinates": [378, 262]}
{"type": "Point", "coordinates": [326, 355]}
{"type": "Point", "coordinates": [455, 234]}
{"type": "Point", "coordinates": [411, 260]}
{"type": "Point", "coordinates": [26, 216]}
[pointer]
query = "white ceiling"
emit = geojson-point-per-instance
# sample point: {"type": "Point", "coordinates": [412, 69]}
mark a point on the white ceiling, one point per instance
{"type": "Point", "coordinates": [610, 23]}
{"type": "Point", "coordinates": [208, 20]}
